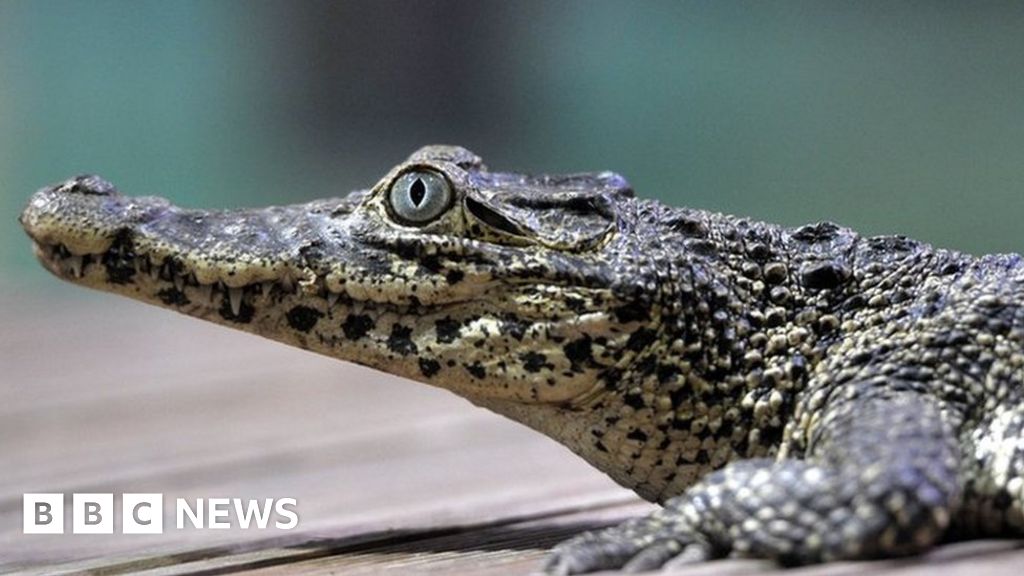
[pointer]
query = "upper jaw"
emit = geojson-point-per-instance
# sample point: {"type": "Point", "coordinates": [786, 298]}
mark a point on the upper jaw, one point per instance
{"type": "Point", "coordinates": [85, 231]}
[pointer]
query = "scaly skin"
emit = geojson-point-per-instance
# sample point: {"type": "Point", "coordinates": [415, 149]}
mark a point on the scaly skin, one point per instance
{"type": "Point", "coordinates": [800, 394]}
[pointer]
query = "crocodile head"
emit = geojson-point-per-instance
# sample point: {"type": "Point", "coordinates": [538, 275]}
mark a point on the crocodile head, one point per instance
{"type": "Point", "coordinates": [498, 286]}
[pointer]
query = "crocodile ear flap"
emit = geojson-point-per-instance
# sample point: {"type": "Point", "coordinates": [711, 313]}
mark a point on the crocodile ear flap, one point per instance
{"type": "Point", "coordinates": [573, 213]}
{"type": "Point", "coordinates": [493, 217]}
{"type": "Point", "coordinates": [576, 221]}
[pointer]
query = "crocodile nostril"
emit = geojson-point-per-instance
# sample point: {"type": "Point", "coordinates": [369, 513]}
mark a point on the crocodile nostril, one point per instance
{"type": "Point", "coordinates": [88, 184]}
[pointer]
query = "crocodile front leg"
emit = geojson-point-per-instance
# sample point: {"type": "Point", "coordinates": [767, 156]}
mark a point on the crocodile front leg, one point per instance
{"type": "Point", "coordinates": [880, 478]}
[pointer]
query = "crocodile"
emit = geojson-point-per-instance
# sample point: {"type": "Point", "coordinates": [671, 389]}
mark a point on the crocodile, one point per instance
{"type": "Point", "coordinates": [800, 394]}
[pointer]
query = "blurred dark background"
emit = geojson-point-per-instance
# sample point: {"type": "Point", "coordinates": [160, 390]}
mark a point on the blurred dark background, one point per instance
{"type": "Point", "coordinates": [888, 117]}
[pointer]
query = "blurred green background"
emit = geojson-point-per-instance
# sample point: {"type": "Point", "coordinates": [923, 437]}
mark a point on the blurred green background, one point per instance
{"type": "Point", "coordinates": [888, 117]}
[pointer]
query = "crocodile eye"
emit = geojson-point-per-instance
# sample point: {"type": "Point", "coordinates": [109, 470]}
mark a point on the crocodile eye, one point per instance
{"type": "Point", "coordinates": [420, 196]}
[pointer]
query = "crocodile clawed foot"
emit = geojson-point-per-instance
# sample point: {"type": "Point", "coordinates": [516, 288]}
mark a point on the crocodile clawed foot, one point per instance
{"type": "Point", "coordinates": [636, 546]}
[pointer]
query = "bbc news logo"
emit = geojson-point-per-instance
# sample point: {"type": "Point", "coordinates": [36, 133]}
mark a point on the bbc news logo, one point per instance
{"type": "Point", "coordinates": [43, 513]}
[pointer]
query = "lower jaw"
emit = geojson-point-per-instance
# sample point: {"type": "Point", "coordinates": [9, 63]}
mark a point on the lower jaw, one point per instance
{"type": "Point", "coordinates": [241, 307]}
{"type": "Point", "coordinates": [308, 316]}
{"type": "Point", "coordinates": [172, 285]}
{"type": "Point", "coordinates": [265, 309]}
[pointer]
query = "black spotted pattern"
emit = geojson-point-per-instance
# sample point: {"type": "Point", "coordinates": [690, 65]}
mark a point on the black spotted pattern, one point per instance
{"type": "Point", "coordinates": [303, 318]}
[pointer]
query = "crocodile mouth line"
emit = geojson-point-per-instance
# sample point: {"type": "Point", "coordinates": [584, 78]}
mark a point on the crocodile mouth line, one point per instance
{"type": "Point", "coordinates": [121, 266]}
{"type": "Point", "coordinates": [170, 277]}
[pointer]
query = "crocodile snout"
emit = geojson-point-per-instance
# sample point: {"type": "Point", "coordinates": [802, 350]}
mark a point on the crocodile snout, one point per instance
{"type": "Point", "coordinates": [70, 214]}
{"type": "Point", "coordinates": [83, 214]}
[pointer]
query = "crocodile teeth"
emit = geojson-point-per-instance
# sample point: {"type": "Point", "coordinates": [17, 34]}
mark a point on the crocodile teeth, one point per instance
{"type": "Point", "coordinates": [206, 292]}
{"type": "Point", "coordinates": [75, 262]}
{"type": "Point", "coordinates": [332, 299]}
{"type": "Point", "coordinates": [154, 272]}
{"type": "Point", "coordinates": [235, 294]}
{"type": "Point", "coordinates": [286, 283]}
{"type": "Point", "coordinates": [179, 282]}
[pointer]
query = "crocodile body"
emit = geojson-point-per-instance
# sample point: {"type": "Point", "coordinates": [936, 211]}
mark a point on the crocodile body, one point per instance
{"type": "Point", "coordinates": [802, 394]}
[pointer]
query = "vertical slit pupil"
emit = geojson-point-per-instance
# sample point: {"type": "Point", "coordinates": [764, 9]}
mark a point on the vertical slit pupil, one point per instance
{"type": "Point", "coordinates": [417, 192]}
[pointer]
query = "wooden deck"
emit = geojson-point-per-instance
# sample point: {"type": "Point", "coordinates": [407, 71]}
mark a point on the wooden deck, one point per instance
{"type": "Point", "coordinates": [105, 395]}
